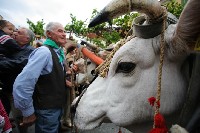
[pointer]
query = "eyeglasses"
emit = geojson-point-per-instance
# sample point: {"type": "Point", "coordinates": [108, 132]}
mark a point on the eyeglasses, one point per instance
{"type": "Point", "coordinates": [20, 33]}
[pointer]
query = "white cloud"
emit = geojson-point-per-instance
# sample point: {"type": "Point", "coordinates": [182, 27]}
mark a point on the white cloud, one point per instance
{"type": "Point", "coordinates": [17, 11]}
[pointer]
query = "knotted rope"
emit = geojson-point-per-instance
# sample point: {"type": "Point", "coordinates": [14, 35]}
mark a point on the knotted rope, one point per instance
{"type": "Point", "coordinates": [159, 125]}
{"type": "Point", "coordinates": [162, 47]}
{"type": "Point", "coordinates": [103, 68]}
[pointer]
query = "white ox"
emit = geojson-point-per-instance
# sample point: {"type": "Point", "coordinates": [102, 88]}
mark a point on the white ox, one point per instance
{"type": "Point", "coordinates": [87, 67]}
{"type": "Point", "coordinates": [87, 75]}
{"type": "Point", "coordinates": [132, 76]}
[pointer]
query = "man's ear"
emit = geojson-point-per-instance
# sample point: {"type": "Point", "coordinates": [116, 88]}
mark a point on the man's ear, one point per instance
{"type": "Point", "coordinates": [28, 39]}
{"type": "Point", "coordinates": [48, 34]}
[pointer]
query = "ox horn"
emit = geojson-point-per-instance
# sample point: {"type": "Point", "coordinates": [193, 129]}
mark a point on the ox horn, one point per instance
{"type": "Point", "coordinates": [115, 8]}
{"type": "Point", "coordinates": [188, 27]}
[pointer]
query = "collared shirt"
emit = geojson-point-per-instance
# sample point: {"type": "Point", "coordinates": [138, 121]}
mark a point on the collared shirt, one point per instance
{"type": "Point", "coordinates": [40, 63]}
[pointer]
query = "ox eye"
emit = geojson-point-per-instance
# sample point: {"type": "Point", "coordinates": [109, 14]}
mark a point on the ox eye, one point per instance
{"type": "Point", "coordinates": [125, 67]}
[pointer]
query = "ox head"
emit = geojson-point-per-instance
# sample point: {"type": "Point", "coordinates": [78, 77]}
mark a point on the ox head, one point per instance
{"type": "Point", "coordinates": [132, 76]}
{"type": "Point", "coordinates": [90, 63]}
{"type": "Point", "coordinates": [87, 76]}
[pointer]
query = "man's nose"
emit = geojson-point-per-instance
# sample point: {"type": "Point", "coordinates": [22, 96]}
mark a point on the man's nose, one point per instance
{"type": "Point", "coordinates": [64, 34]}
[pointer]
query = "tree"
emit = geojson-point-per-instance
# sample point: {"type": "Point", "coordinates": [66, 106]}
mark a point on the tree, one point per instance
{"type": "Point", "coordinates": [76, 26]}
{"type": "Point", "coordinates": [110, 34]}
{"type": "Point", "coordinates": [36, 28]}
{"type": "Point", "coordinates": [99, 28]}
{"type": "Point", "coordinates": [174, 8]}
{"type": "Point", "coordinates": [125, 23]}
{"type": "Point", "coordinates": [111, 37]}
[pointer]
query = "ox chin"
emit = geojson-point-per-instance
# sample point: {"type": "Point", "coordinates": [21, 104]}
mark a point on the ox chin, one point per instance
{"type": "Point", "coordinates": [82, 124]}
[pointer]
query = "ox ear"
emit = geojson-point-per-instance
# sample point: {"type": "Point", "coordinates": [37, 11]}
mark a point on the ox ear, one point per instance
{"type": "Point", "coordinates": [188, 27]}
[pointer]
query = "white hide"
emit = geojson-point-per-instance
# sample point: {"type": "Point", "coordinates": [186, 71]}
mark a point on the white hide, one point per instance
{"type": "Point", "coordinates": [123, 97]}
{"type": "Point", "coordinates": [81, 78]}
{"type": "Point", "coordinates": [80, 63]}
{"type": "Point", "coordinates": [177, 129]}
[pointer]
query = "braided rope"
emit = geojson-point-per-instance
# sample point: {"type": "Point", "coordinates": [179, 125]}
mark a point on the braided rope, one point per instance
{"type": "Point", "coordinates": [103, 68]}
{"type": "Point", "coordinates": [162, 47]}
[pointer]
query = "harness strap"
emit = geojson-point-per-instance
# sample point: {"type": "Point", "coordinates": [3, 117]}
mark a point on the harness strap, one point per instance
{"type": "Point", "coordinates": [188, 117]}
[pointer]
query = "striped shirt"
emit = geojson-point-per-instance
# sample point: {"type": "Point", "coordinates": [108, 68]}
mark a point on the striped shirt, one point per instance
{"type": "Point", "coordinates": [4, 38]}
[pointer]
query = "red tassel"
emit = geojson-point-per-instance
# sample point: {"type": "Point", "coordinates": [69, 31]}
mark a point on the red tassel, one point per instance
{"type": "Point", "coordinates": [159, 121]}
{"type": "Point", "coordinates": [160, 126]}
{"type": "Point", "coordinates": [152, 101]}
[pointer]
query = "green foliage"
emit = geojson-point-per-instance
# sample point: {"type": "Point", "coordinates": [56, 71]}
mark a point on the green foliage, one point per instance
{"type": "Point", "coordinates": [36, 28]}
{"type": "Point", "coordinates": [98, 42]}
{"type": "Point", "coordinates": [99, 28]}
{"type": "Point", "coordinates": [125, 21]}
{"type": "Point", "coordinates": [183, 2]}
{"type": "Point", "coordinates": [175, 8]}
{"type": "Point", "coordinates": [76, 26]}
{"type": "Point", "coordinates": [103, 31]}
{"type": "Point", "coordinates": [111, 37]}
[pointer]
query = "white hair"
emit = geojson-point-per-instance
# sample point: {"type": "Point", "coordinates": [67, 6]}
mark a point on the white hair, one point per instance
{"type": "Point", "coordinates": [51, 26]}
{"type": "Point", "coordinates": [30, 34]}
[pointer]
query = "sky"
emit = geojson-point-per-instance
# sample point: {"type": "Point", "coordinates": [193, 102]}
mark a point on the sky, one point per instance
{"type": "Point", "coordinates": [17, 11]}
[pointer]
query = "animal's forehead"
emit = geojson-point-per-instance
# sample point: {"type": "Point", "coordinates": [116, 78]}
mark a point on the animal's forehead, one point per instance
{"type": "Point", "coordinates": [135, 47]}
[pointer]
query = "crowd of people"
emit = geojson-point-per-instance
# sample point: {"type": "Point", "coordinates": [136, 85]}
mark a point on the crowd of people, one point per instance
{"type": "Point", "coordinates": [33, 80]}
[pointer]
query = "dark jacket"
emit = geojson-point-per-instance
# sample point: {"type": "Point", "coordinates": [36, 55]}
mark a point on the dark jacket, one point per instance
{"type": "Point", "coordinates": [11, 67]}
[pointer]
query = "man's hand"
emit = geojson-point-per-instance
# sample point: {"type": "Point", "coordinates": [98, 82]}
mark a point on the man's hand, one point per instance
{"type": "Point", "coordinates": [75, 68]}
{"type": "Point", "coordinates": [69, 84]}
{"type": "Point", "coordinates": [79, 66]}
{"type": "Point", "coordinates": [28, 121]}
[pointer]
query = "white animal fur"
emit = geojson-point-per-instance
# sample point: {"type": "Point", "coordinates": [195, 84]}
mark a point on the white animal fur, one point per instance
{"type": "Point", "coordinates": [110, 97]}
{"type": "Point", "coordinates": [122, 97]}
{"type": "Point", "coordinates": [177, 129]}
